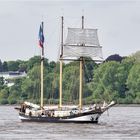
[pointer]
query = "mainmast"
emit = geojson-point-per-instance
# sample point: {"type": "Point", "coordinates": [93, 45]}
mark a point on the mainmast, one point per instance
{"type": "Point", "coordinates": [61, 65]}
{"type": "Point", "coordinates": [81, 74]}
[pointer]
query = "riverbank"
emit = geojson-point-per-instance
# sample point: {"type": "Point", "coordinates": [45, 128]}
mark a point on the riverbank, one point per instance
{"type": "Point", "coordinates": [117, 105]}
{"type": "Point", "coordinates": [127, 105]}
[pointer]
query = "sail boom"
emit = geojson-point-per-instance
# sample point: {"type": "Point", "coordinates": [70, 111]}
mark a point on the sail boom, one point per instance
{"type": "Point", "coordinates": [75, 45]}
{"type": "Point", "coordinates": [70, 59]}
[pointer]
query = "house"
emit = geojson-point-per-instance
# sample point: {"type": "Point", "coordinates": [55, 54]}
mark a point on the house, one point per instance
{"type": "Point", "coordinates": [11, 75]}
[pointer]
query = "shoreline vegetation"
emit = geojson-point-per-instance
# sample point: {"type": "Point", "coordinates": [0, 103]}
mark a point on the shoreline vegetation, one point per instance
{"type": "Point", "coordinates": [116, 105]}
{"type": "Point", "coordinates": [117, 78]}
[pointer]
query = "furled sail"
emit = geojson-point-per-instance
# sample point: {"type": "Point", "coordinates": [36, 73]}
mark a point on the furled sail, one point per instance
{"type": "Point", "coordinates": [82, 43]}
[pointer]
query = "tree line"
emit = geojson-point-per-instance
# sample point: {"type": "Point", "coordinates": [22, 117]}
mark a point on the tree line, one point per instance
{"type": "Point", "coordinates": [117, 78]}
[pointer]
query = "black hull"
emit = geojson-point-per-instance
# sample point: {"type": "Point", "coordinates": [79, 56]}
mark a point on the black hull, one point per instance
{"type": "Point", "coordinates": [84, 118]}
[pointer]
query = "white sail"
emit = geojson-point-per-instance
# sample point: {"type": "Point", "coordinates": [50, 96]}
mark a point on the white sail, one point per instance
{"type": "Point", "coordinates": [82, 43]}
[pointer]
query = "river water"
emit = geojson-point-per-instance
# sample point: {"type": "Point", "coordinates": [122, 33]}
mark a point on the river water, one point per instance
{"type": "Point", "coordinates": [120, 123]}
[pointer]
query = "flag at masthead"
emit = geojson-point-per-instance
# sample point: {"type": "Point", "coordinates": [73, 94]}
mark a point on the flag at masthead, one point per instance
{"type": "Point", "coordinates": [41, 36]}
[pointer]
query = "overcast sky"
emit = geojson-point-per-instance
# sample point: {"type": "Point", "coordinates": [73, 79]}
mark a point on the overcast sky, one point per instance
{"type": "Point", "coordinates": [118, 24]}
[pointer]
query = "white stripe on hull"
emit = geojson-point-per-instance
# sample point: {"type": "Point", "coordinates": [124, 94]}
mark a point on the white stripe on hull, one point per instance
{"type": "Point", "coordinates": [91, 117]}
{"type": "Point", "coordinates": [23, 118]}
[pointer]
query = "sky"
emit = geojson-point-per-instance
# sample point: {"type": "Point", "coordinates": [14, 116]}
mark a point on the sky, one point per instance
{"type": "Point", "coordinates": [117, 21]}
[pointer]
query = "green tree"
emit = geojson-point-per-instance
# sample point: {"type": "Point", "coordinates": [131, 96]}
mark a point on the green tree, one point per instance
{"type": "Point", "coordinates": [36, 60]}
{"type": "Point", "coordinates": [71, 82]}
{"type": "Point", "coordinates": [4, 93]}
{"type": "Point", "coordinates": [1, 67]}
{"type": "Point", "coordinates": [1, 82]}
{"type": "Point", "coordinates": [15, 92]}
{"type": "Point", "coordinates": [133, 81]}
{"type": "Point", "coordinates": [106, 82]}
{"type": "Point", "coordinates": [13, 65]}
{"type": "Point", "coordinates": [136, 56]}
{"type": "Point", "coordinates": [31, 85]}
{"type": "Point", "coordinates": [5, 66]}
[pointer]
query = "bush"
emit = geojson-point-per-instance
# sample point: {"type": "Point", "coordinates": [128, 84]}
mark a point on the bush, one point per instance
{"type": "Point", "coordinates": [127, 100]}
{"type": "Point", "coordinates": [12, 101]}
{"type": "Point", "coordinates": [136, 101]}
{"type": "Point", "coordinates": [3, 101]}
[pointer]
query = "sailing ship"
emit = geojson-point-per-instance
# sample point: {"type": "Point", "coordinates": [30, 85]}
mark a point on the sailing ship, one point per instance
{"type": "Point", "coordinates": [80, 43]}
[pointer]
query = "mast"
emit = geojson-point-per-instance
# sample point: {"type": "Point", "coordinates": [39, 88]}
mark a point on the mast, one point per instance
{"type": "Point", "coordinates": [81, 74]}
{"type": "Point", "coordinates": [61, 65]}
{"type": "Point", "coordinates": [42, 71]}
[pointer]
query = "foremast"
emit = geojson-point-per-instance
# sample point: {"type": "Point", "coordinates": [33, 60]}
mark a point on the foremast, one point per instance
{"type": "Point", "coordinates": [41, 44]}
